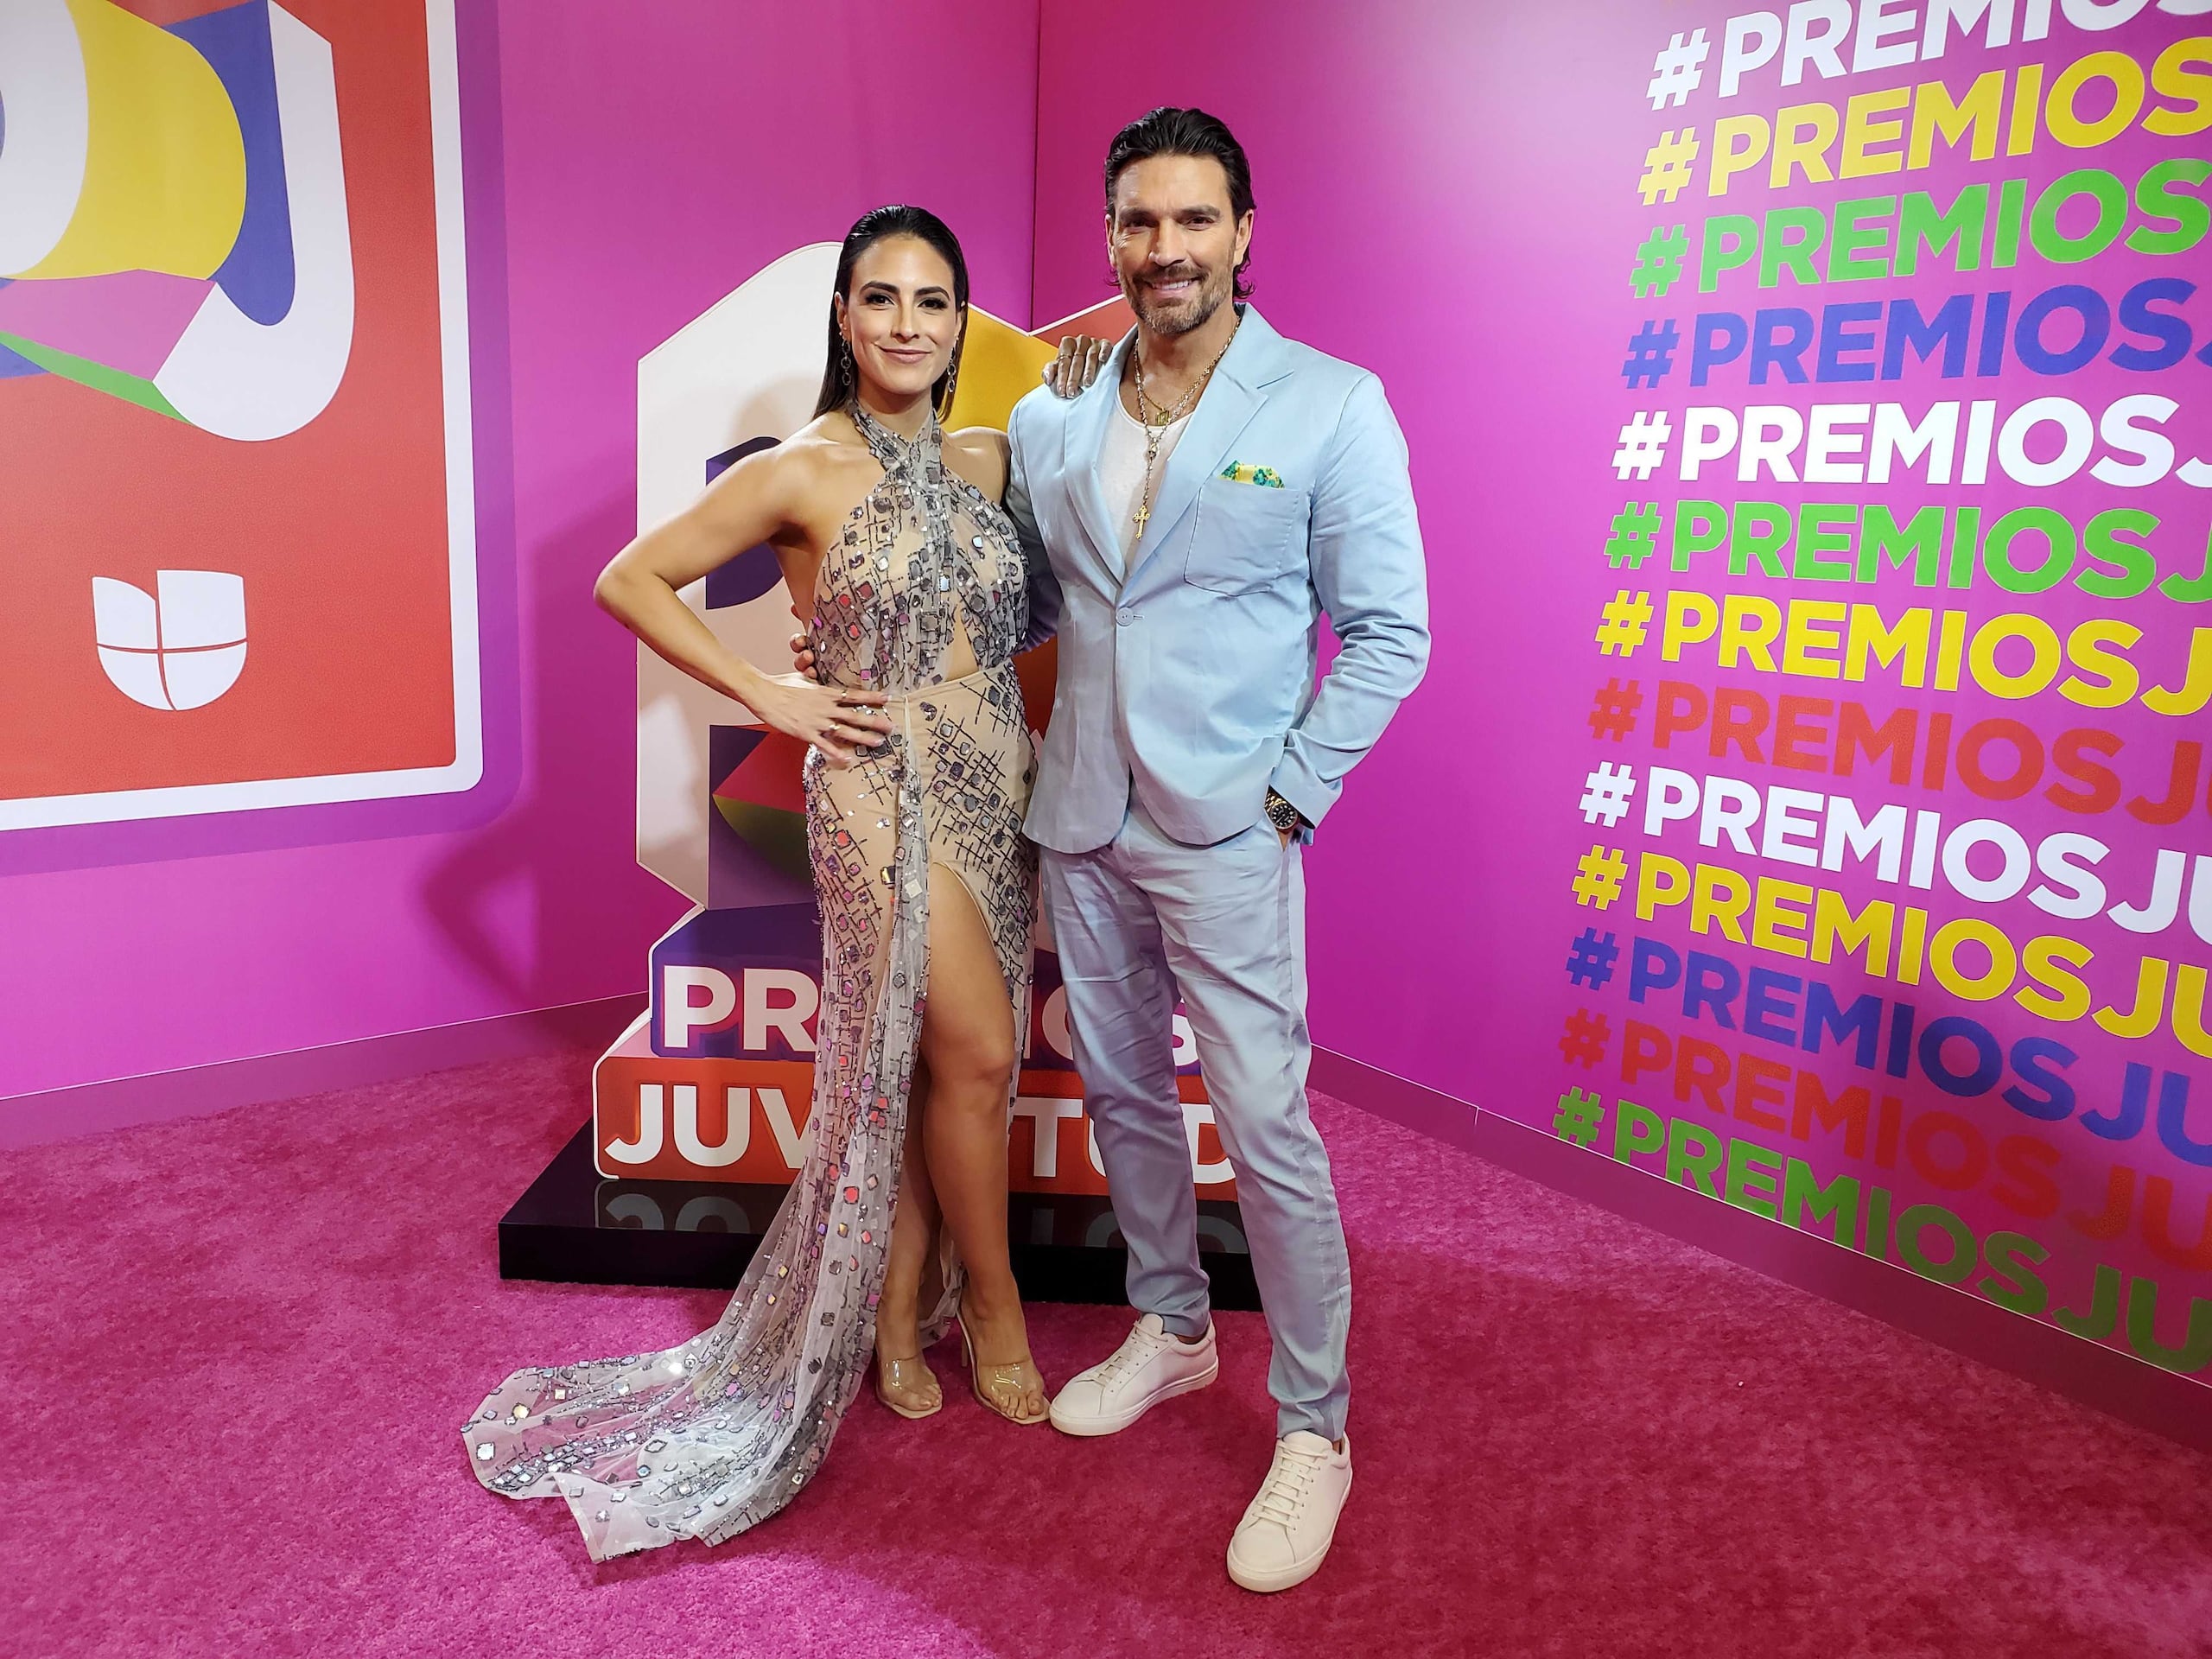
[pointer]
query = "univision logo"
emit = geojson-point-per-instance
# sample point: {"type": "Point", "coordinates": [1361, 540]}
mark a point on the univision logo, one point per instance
{"type": "Point", "coordinates": [181, 650]}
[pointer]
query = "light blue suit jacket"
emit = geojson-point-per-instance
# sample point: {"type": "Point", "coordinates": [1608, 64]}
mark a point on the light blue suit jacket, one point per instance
{"type": "Point", "coordinates": [1191, 677]}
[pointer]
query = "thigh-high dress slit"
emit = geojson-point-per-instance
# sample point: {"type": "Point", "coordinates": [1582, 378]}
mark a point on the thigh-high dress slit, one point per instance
{"type": "Point", "coordinates": [707, 1438]}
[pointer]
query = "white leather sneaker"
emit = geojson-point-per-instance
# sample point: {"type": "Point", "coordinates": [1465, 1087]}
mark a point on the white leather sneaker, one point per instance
{"type": "Point", "coordinates": [1150, 1365]}
{"type": "Point", "coordinates": [1287, 1528]}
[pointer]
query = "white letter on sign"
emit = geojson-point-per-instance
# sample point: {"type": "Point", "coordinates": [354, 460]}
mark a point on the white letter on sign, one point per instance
{"type": "Point", "coordinates": [1046, 1114]}
{"type": "Point", "coordinates": [788, 1018]}
{"type": "Point", "coordinates": [680, 1015]}
{"type": "Point", "coordinates": [647, 1147]}
{"type": "Point", "coordinates": [737, 1126]}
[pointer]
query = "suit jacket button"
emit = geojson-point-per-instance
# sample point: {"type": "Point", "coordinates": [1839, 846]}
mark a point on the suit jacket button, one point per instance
{"type": "Point", "coordinates": [1123, 617]}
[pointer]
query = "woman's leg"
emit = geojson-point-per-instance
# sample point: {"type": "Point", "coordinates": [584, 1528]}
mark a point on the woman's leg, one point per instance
{"type": "Point", "coordinates": [967, 1043]}
{"type": "Point", "coordinates": [910, 1278]}
{"type": "Point", "coordinates": [914, 1237]}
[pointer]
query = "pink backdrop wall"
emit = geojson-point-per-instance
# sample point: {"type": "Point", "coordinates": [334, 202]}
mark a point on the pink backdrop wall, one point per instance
{"type": "Point", "coordinates": [1409, 222]}
{"type": "Point", "coordinates": [1456, 197]}
{"type": "Point", "coordinates": [653, 157]}
{"type": "Point", "coordinates": [1447, 196]}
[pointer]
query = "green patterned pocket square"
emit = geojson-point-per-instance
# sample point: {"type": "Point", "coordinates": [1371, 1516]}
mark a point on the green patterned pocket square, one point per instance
{"type": "Point", "coordinates": [1243, 472]}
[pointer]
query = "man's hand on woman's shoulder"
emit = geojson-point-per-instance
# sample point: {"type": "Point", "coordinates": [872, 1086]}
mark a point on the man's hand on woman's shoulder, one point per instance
{"type": "Point", "coordinates": [1081, 357]}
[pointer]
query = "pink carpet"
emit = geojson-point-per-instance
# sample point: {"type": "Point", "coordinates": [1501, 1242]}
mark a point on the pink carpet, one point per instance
{"type": "Point", "coordinates": [241, 1347]}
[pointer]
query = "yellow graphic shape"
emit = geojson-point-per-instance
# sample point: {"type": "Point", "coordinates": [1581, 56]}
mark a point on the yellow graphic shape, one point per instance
{"type": "Point", "coordinates": [164, 165]}
{"type": "Point", "coordinates": [998, 366]}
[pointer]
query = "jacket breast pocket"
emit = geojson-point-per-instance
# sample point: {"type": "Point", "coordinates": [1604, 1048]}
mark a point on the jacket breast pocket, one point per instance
{"type": "Point", "coordinates": [1245, 536]}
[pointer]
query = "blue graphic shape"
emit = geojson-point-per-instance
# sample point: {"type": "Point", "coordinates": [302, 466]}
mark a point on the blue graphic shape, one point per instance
{"type": "Point", "coordinates": [752, 572]}
{"type": "Point", "coordinates": [259, 275]}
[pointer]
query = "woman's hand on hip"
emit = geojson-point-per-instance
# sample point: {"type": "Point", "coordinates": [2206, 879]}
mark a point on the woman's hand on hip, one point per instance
{"type": "Point", "coordinates": [846, 724]}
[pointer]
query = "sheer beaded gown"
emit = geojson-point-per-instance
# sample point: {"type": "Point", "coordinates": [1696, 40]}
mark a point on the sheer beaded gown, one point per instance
{"type": "Point", "coordinates": [706, 1440]}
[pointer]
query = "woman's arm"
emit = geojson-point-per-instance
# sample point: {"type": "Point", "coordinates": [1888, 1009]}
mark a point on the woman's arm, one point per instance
{"type": "Point", "coordinates": [761, 496]}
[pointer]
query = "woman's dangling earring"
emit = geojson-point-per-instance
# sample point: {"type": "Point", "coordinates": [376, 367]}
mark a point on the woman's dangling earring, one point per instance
{"type": "Point", "coordinates": [952, 381]}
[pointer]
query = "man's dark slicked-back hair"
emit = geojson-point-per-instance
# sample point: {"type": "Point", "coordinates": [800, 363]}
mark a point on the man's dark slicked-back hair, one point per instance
{"type": "Point", "coordinates": [1171, 131]}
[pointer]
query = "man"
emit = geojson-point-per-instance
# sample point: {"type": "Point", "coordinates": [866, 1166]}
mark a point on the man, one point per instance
{"type": "Point", "coordinates": [1200, 504]}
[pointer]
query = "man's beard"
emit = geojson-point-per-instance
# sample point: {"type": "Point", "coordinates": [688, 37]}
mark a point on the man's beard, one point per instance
{"type": "Point", "coordinates": [1179, 317]}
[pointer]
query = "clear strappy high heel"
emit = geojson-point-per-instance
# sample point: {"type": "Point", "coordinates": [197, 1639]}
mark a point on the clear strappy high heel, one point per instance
{"type": "Point", "coordinates": [1001, 1387]}
{"type": "Point", "coordinates": [909, 1387]}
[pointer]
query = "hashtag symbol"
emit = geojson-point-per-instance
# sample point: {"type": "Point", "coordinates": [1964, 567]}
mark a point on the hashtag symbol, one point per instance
{"type": "Point", "coordinates": [1659, 262]}
{"type": "Point", "coordinates": [1621, 624]}
{"type": "Point", "coordinates": [1612, 709]}
{"type": "Point", "coordinates": [1630, 543]}
{"type": "Point", "coordinates": [1643, 444]}
{"type": "Point", "coordinates": [1582, 1039]}
{"type": "Point", "coordinates": [1676, 71]}
{"type": "Point", "coordinates": [1598, 878]}
{"type": "Point", "coordinates": [1606, 793]}
{"type": "Point", "coordinates": [1667, 166]}
{"type": "Point", "coordinates": [1651, 354]}
{"type": "Point", "coordinates": [1590, 959]}
{"type": "Point", "coordinates": [1580, 1114]}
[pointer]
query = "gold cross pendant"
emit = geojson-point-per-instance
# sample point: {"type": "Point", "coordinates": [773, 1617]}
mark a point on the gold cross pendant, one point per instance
{"type": "Point", "coordinates": [1144, 511]}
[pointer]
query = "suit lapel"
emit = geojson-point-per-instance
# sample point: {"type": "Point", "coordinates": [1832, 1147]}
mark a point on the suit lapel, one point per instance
{"type": "Point", "coordinates": [1225, 409]}
{"type": "Point", "coordinates": [1084, 437]}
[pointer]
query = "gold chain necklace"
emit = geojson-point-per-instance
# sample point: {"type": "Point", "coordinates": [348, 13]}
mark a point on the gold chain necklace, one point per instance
{"type": "Point", "coordinates": [1167, 417]}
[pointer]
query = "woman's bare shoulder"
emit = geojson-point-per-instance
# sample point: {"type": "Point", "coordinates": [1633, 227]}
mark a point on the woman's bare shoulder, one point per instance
{"type": "Point", "coordinates": [829, 440]}
{"type": "Point", "coordinates": [824, 456]}
{"type": "Point", "coordinates": [979, 455]}
{"type": "Point", "coordinates": [809, 480]}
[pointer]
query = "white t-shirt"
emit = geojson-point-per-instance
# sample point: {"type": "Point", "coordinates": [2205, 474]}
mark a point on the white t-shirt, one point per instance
{"type": "Point", "coordinates": [1120, 470]}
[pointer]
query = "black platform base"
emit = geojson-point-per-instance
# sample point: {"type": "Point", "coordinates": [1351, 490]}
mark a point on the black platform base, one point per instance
{"type": "Point", "coordinates": [575, 1227]}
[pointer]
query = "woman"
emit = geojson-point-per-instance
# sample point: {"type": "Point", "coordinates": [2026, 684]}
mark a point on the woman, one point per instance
{"type": "Point", "coordinates": [890, 537]}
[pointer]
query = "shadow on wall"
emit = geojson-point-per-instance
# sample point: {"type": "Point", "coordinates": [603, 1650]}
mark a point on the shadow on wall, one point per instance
{"type": "Point", "coordinates": [493, 894]}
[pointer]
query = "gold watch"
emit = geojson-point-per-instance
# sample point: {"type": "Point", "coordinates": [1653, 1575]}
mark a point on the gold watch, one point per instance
{"type": "Point", "coordinates": [1285, 816]}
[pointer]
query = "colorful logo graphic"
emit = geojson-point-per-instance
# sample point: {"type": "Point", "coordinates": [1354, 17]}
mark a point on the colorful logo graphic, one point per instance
{"type": "Point", "coordinates": [180, 647]}
{"type": "Point", "coordinates": [233, 359]}
{"type": "Point", "coordinates": [173, 211]}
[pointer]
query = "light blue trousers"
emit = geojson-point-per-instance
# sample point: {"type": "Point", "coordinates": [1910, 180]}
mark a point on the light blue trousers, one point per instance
{"type": "Point", "coordinates": [1135, 922]}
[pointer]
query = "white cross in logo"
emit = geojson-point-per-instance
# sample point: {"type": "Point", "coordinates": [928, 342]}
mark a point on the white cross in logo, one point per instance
{"type": "Point", "coordinates": [182, 650]}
